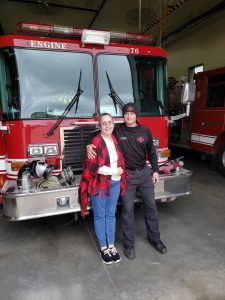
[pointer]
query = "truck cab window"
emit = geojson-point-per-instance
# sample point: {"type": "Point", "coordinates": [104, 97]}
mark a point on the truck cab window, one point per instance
{"type": "Point", "coordinates": [216, 91]}
{"type": "Point", "coordinates": [134, 78]}
{"type": "Point", "coordinates": [10, 85]}
{"type": "Point", "coordinates": [40, 84]}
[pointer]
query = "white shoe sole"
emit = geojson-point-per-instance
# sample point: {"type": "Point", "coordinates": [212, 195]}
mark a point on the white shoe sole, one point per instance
{"type": "Point", "coordinates": [107, 263]}
{"type": "Point", "coordinates": [115, 262]}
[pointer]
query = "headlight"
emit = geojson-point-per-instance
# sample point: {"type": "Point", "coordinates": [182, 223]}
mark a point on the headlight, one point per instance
{"type": "Point", "coordinates": [51, 149]}
{"type": "Point", "coordinates": [35, 150]}
{"type": "Point", "coordinates": [156, 142]}
{"type": "Point", "coordinates": [43, 150]}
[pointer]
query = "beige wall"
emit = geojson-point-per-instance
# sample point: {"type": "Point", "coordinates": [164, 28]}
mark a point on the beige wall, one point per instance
{"type": "Point", "coordinates": [205, 43]}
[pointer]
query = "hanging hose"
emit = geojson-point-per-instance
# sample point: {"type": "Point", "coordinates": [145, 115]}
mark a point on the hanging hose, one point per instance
{"type": "Point", "coordinates": [65, 178]}
{"type": "Point", "coordinates": [51, 182]}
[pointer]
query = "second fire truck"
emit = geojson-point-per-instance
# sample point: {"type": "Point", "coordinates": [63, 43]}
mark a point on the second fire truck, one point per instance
{"type": "Point", "coordinates": [204, 131]}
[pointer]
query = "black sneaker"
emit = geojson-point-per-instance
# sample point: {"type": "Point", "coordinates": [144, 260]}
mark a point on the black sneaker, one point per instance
{"type": "Point", "coordinates": [106, 257]}
{"type": "Point", "coordinates": [129, 253]}
{"type": "Point", "coordinates": [159, 246]}
{"type": "Point", "coordinates": [114, 254]}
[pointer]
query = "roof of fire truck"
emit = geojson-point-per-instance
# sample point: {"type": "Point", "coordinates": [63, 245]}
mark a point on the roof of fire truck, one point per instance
{"type": "Point", "coordinates": [47, 36]}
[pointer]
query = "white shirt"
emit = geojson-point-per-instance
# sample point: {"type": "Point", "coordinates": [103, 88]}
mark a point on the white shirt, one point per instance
{"type": "Point", "coordinates": [112, 170]}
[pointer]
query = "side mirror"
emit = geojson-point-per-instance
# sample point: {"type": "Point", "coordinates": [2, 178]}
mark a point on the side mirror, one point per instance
{"type": "Point", "coordinates": [188, 93]}
{"type": "Point", "coordinates": [187, 97]}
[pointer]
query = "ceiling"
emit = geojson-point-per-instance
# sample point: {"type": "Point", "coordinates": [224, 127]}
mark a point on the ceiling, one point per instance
{"type": "Point", "coordinates": [163, 19]}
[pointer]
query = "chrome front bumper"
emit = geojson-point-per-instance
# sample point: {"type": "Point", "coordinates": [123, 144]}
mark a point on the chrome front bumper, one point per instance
{"type": "Point", "coordinates": [173, 185]}
{"type": "Point", "coordinates": [23, 206]}
{"type": "Point", "coordinates": [37, 204]}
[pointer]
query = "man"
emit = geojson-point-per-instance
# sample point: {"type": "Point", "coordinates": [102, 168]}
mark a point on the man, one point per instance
{"type": "Point", "coordinates": [136, 143]}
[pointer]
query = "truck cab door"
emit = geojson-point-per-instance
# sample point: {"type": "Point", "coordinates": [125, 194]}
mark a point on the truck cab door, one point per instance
{"type": "Point", "coordinates": [208, 111]}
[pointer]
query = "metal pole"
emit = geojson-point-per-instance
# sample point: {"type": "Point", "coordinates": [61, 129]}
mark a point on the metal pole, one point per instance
{"type": "Point", "coordinates": [160, 24]}
{"type": "Point", "coordinates": [139, 27]}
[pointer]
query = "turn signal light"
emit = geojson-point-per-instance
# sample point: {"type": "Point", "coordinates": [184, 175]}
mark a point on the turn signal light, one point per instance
{"type": "Point", "coordinates": [16, 165]}
{"type": "Point", "coordinates": [2, 180]}
{"type": "Point", "coordinates": [166, 153]}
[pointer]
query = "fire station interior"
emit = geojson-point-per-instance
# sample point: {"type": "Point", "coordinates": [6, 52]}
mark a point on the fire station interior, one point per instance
{"type": "Point", "coordinates": [57, 257]}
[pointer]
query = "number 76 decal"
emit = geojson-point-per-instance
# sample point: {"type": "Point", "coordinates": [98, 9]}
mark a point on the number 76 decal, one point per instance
{"type": "Point", "coordinates": [134, 50]}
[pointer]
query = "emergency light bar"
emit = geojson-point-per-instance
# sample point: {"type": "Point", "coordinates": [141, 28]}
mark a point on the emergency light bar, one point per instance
{"type": "Point", "coordinates": [47, 30]}
{"type": "Point", "coordinates": [87, 36]}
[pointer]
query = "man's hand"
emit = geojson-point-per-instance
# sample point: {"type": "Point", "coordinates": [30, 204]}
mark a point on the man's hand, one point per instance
{"type": "Point", "coordinates": [90, 151]}
{"type": "Point", "coordinates": [155, 178]}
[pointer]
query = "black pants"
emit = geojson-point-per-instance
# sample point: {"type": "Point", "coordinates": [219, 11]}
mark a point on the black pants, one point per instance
{"type": "Point", "coordinates": [143, 180]}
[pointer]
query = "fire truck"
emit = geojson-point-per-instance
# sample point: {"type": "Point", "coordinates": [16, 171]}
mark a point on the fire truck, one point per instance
{"type": "Point", "coordinates": [55, 81]}
{"type": "Point", "coordinates": [204, 131]}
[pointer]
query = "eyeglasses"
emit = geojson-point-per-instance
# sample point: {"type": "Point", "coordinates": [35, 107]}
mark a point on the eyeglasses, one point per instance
{"type": "Point", "coordinates": [104, 124]}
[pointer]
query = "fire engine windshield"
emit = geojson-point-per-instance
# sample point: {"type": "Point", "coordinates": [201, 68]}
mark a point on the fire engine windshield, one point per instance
{"type": "Point", "coordinates": [40, 84]}
{"type": "Point", "coordinates": [139, 79]}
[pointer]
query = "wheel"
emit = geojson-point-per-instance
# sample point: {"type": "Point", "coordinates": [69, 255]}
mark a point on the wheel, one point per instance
{"type": "Point", "coordinates": [221, 160]}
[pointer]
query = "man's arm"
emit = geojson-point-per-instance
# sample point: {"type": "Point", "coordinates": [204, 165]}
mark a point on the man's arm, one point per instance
{"type": "Point", "coordinates": [90, 148]}
{"type": "Point", "coordinates": [153, 158]}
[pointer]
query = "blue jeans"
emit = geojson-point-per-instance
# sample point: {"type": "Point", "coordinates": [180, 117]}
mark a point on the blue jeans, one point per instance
{"type": "Point", "coordinates": [104, 209]}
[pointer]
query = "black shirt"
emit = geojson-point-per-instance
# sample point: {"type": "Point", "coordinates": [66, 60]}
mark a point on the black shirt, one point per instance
{"type": "Point", "coordinates": [137, 145]}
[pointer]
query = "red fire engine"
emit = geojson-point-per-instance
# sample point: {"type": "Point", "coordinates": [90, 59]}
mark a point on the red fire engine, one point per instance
{"type": "Point", "coordinates": [204, 131]}
{"type": "Point", "coordinates": [55, 81]}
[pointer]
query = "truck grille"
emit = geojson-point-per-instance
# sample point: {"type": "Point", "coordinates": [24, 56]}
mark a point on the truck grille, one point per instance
{"type": "Point", "coordinates": [74, 146]}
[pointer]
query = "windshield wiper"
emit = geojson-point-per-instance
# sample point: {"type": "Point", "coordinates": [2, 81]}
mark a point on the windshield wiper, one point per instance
{"type": "Point", "coordinates": [116, 99]}
{"type": "Point", "coordinates": [68, 108]}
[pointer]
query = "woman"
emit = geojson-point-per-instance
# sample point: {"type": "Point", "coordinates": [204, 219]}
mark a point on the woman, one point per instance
{"type": "Point", "coordinates": [103, 180]}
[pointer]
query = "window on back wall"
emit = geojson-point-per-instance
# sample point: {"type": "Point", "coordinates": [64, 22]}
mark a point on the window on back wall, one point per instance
{"type": "Point", "coordinates": [194, 70]}
{"type": "Point", "coordinates": [216, 91]}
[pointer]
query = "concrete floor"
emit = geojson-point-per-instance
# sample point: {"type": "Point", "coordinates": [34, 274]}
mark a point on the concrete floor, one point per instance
{"type": "Point", "coordinates": [56, 258]}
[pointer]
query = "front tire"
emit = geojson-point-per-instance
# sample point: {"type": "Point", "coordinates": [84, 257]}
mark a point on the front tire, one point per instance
{"type": "Point", "coordinates": [221, 160]}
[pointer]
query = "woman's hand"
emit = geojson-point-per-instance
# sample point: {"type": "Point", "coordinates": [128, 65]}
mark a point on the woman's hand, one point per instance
{"type": "Point", "coordinates": [120, 171]}
{"type": "Point", "coordinates": [90, 151]}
